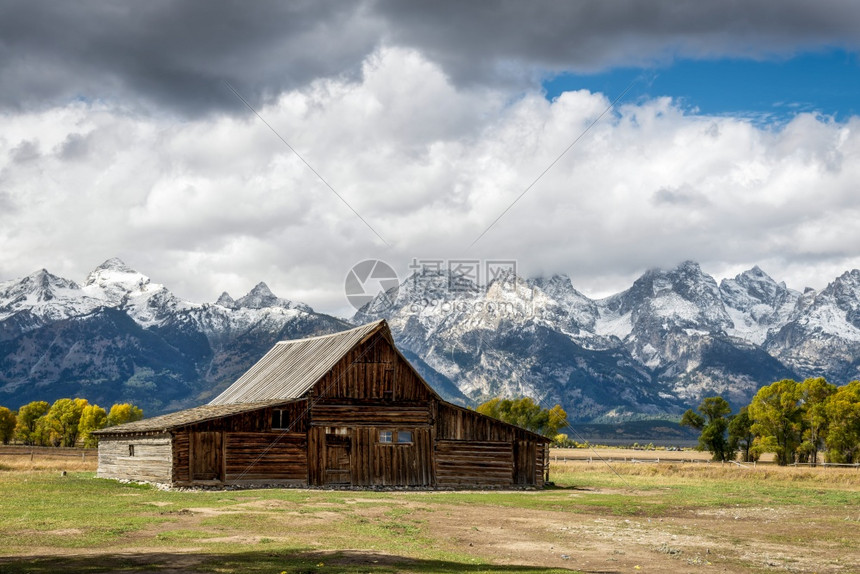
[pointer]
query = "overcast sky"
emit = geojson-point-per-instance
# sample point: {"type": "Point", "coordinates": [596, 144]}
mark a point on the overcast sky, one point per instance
{"type": "Point", "coordinates": [734, 142]}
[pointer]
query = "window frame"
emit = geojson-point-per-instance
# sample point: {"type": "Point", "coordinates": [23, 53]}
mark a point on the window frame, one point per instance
{"type": "Point", "coordinates": [278, 414]}
{"type": "Point", "coordinates": [411, 437]}
{"type": "Point", "coordinates": [393, 436]}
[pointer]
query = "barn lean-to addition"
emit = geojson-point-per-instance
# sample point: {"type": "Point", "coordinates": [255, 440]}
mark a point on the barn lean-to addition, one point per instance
{"type": "Point", "coordinates": [343, 410]}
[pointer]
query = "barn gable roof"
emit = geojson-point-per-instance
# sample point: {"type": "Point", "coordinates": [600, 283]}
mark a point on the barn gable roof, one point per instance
{"type": "Point", "coordinates": [284, 375]}
{"type": "Point", "coordinates": [291, 368]}
{"type": "Point", "coordinates": [187, 417]}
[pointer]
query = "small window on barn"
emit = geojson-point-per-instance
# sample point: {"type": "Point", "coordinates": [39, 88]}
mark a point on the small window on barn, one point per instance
{"type": "Point", "coordinates": [342, 431]}
{"type": "Point", "coordinates": [386, 436]}
{"type": "Point", "coordinates": [404, 437]}
{"type": "Point", "coordinates": [280, 419]}
{"type": "Point", "coordinates": [131, 450]}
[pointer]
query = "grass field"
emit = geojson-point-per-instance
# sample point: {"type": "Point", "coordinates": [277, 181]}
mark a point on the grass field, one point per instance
{"type": "Point", "coordinates": [624, 518]}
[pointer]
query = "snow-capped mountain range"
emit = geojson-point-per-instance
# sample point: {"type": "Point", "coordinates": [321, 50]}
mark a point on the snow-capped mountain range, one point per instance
{"type": "Point", "coordinates": [653, 350]}
{"type": "Point", "coordinates": [672, 338]}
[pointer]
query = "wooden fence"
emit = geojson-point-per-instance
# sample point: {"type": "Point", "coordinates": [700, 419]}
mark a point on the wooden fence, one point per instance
{"type": "Point", "coordinates": [36, 452]}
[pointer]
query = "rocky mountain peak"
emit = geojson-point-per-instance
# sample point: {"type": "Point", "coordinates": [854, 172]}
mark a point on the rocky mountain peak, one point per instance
{"type": "Point", "coordinates": [115, 264]}
{"type": "Point", "coordinates": [753, 287]}
{"type": "Point", "coordinates": [258, 298]}
{"type": "Point", "coordinates": [556, 285]}
{"type": "Point", "coordinates": [114, 272]}
{"type": "Point", "coordinates": [44, 284]}
{"type": "Point", "coordinates": [38, 287]}
{"type": "Point", "coordinates": [840, 299]}
{"type": "Point", "coordinates": [261, 297]}
{"type": "Point", "coordinates": [226, 301]}
{"type": "Point", "coordinates": [684, 294]}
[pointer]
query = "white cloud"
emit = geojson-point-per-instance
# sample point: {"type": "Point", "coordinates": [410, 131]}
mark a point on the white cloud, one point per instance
{"type": "Point", "coordinates": [220, 203]}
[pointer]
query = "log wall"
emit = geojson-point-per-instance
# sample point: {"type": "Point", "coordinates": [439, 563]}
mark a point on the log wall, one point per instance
{"type": "Point", "coordinates": [267, 456]}
{"type": "Point", "coordinates": [151, 460]}
{"type": "Point", "coordinates": [458, 424]}
{"type": "Point", "coordinates": [370, 413]}
{"type": "Point", "coordinates": [461, 463]}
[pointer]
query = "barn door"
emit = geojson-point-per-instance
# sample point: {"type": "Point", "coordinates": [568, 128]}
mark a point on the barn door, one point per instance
{"type": "Point", "coordinates": [524, 462]}
{"type": "Point", "coordinates": [338, 445]}
{"type": "Point", "coordinates": [206, 456]}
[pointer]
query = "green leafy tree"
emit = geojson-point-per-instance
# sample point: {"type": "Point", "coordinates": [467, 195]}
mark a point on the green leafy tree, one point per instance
{"type": "Point", "coordinates": [93, 418]}
{"type": "Point", "coordinates": [7, 425]}
{"type": "Point", "coordinates": [814, 395]}
{"type": "Point", "coordinates": [713, 422]}
{"type": "Point", "coordinates": [123, 413]}
{"type": "Point", "coordinates": [63, 419]}
{"type": "Point", "coordinates": [28, 417]}
{"type": "Point", "coordinates": [776, 412]}
{"type": "Point", "coordinates": [526, 413]}
{"type": "Point", "coordinates": [741, 436]}
{"type": "Point", "coordinates": [843, 436]}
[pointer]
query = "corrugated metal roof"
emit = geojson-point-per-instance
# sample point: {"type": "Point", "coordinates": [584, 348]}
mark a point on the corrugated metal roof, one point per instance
{"type": "Point", "coordinates": [187, 417]}
{"type": "Point", "coordinates": [291, 368]}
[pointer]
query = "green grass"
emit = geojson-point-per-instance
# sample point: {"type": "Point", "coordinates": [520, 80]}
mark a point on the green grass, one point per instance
{"type": "Point", "coordinates": [136, 528]}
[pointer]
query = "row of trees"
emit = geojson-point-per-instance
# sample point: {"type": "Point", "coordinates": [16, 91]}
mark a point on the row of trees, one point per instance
{"type": "Point", "coordinates": [64, 423]}
{"type": "Point", "coordinates": [793, 420]}
{"type": "Point", "coordinates": [527, 414]}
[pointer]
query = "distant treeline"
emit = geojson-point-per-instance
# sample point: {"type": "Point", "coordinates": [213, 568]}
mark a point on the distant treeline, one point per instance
{"type": "Point", "coordinates": [793, 420]}
{"type": "Point", "coordinates": [64, 423]}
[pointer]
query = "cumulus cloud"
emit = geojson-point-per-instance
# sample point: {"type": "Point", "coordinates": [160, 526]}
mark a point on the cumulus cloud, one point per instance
{"type": "Point", "coordinates": [218, 202]}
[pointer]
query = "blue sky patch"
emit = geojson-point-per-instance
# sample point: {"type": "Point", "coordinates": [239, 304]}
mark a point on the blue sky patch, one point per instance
{"type": "Point", "coordinates": [827, 83]}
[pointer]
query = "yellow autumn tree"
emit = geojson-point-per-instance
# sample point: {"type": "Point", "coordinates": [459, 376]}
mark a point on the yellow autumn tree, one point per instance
{"type": "Point", "coordinates": [123, 413]}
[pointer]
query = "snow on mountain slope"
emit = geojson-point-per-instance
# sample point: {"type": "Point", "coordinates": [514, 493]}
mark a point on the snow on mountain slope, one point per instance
{"type": "Point", "coordinates": [661, 306]}
{"type": "Point", "coordinates": [123, 337]}
{"type": "Point", "coordinates": [756, 304]}
{"type": "Point", "coordinates": [822, 336]}
{"type": "Point", "coordinates": [45, 296]}
{"type": "Point", "coordinates": [656, 348]}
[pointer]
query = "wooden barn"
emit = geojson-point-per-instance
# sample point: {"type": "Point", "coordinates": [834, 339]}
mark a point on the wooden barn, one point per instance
{"type": "Point", "coordinates": [345, 409]}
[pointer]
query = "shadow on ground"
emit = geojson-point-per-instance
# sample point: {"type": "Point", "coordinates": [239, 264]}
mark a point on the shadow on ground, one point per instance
{"type": "Point", "coordinates": [268, 562]}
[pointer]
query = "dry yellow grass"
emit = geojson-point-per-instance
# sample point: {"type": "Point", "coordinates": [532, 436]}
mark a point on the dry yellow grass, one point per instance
{"type": "Point", "coordinates": [849, 477]}
{"type": "Point", "coordinates": [15, 458]}
{"type": "Point", "coordinates": [626, 454]}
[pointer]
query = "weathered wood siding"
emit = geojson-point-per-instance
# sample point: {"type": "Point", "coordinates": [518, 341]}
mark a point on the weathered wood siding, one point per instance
{"type": "Point", "coordinates": [370, 413]}
{"type": "Point", "coordinates": [541, 464]}
{"type": "Point", "coordinates": [267, 456]}
{"type": "Point", "coordinates": [382, 464]}
{"type": "Point", "coordinates": [524, 462]}
{"type": "Point", "coordinates": [250, 449]}
{"type": "Point", "coordinates": [257, 421]}
{"type": "Point", "coordinates": [181, 460]}
{"type": "Point", "coordinates": [358, 458]}
{"type": "Point", "coordinates": [373, 370]}
{"type": "Point", "coordinates": [151, 460]}
{"type": "Point", "coordinates": [473, 464]}
{"type": "Point", "coordinates": [458, 424]}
